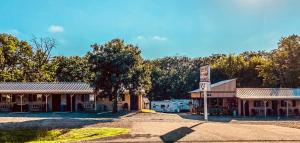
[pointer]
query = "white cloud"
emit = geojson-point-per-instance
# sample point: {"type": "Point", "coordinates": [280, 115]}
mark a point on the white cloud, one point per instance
{"type": "Point", "coordinates": [140, 37]}
{"type": "Point", "coordinates": [153, 38]}
{"type": "Point", "coordinates": [159, 38]}
{"type": "Point", "coordinates": [55, 29]}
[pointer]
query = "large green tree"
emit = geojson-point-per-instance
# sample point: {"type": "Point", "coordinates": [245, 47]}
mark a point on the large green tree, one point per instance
{"type": "Point", "coordinates": [15, 58]}
{"type": "Point", "coordinates": [72, 69]}
{"type": "Point", "coordinates": [117, 66]}
{"type": "Point", "coordinates": [284, 67]}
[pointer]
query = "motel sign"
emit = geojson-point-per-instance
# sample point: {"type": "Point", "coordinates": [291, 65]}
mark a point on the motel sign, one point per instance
{"type": "Point", "coordinates": [205, 86]}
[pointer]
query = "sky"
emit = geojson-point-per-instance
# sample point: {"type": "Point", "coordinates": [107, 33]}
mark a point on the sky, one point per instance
{"type": "Point", "coordinates": [194, 28]}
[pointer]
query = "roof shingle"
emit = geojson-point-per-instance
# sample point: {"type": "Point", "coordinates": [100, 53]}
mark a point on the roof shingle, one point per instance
{"type": "Point", "coordinates": [268, 93]}
{"type": "Point", "coordinates": [45, 87]}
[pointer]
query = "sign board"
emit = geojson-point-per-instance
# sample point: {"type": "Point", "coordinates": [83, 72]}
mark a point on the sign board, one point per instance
{"type": "Point", "coordinates": [205, 74]}
{"type": "Point", "coordinates": [204, 86]}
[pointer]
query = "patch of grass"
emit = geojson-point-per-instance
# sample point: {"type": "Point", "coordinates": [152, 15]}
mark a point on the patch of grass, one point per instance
{"type": "Point", "coordinates": [58, 135]}
{"type": "Point", "coordinates": [148, 111]}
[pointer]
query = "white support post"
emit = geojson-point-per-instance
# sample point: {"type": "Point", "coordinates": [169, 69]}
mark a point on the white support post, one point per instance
{"type": "Point", "coordinates": [244, 114]}
{"type": "Point", "coordinates": [265, 105]}
{"type": "Point", "coordinates": [21, 96]}
{"type": "Point", "coordinates": [71, 96]}
{"type": "Point", "coordinates": [46, 102]}
{"type": "Point", "coordinates": [205, 106]}
{"type": "Point", "coordinates": [95, 100]}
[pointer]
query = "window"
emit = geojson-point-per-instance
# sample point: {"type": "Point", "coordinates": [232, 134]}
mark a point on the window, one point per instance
{"type": "Point", "coordinates": [283, 103]}
{"type": "Point", "coordinates": [258, 103]}
{"type": "Point", "coordinates": [39, 97]}
{"type": "Point", "coordinates": [91, 97]}
{"type": "Point", "coordinates": [85, 98]}
{"type": "Point", "coordinates": [121, 97]}
{"type": "Point", "coordinates": [3, 98]}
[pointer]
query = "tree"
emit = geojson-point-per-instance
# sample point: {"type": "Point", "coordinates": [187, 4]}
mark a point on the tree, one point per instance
{"type": "Point", "coordinates": [286, 59]}
{"type": "Point", "coordinates": [173, 77]}
{"type": "Point", "coordinates": [15, 56]}
{"type": "Point", "coordinates": [42, 67]}
{"type": "Point", "coordinates": [72, 69]}
{"type": "Point", "coordinates": [117, 66]}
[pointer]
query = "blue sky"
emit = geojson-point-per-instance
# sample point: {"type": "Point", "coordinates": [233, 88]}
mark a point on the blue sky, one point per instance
{"type": "Point", "coordinates": [159, 27]}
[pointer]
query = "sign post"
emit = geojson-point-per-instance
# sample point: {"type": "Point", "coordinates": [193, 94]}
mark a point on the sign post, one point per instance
{"type": "Point", "coordinates": [205, 86]}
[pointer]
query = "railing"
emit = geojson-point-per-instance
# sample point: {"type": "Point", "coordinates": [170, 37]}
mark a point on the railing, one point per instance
{"type": "Point", "coordinates": [6, 107]}
{"type": "Point", "coordinates": [88, 106]}
{"type": "Point", "coordinates": [37, 107]}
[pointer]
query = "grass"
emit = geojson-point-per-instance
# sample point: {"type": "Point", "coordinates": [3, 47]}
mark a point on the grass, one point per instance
{"type": "Point", "coordinates": [148, 111]}
{"type": "Point", "coordinates": [58, 135]}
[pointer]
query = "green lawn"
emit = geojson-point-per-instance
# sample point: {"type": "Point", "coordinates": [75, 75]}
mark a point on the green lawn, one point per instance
{"type": "Point", "coordinates": [58, 135]}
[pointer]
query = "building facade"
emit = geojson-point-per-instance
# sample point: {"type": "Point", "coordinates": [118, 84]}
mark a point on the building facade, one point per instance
{"type": "Point", "coordinates": [57, 97]}
{"type": "Point", "coordinates": [225, 99]}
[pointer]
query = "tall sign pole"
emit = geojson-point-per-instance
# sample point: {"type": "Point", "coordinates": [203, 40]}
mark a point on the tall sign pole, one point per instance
{"type": "Point", "coordinates": [205, 86]}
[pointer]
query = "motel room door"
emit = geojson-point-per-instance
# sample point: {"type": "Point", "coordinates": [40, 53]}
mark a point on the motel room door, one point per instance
{"type": "Point", "coordinates": [56, 102]}
{"type": "Point", "coordinates": [246, 108]}
{"type": "Point", "coordinates": [134, 102]}
{"type": "Point", "coordinates": [69, 103]}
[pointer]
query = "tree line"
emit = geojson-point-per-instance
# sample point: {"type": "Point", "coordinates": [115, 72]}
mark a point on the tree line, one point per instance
{"type": "Point", "coordinates": [117, 66]}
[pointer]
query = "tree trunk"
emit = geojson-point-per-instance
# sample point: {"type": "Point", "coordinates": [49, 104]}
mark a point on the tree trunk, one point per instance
{"type": "Point", "coordinates": [115, 102]}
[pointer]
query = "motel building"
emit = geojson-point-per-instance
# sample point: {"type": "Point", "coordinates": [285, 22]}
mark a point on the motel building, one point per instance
{"type": "Point", "coordinates": [59, 97]}
{"type": "Point", "coordinates": [225, 99]}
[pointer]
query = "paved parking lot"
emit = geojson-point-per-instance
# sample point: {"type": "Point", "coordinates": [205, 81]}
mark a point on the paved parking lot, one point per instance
{"type": "Point", "coordinates": [163, 127]}
{"type": "Point", "coordinates": [184, 127]}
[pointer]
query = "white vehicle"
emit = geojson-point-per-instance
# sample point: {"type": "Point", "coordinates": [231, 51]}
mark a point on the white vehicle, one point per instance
{"type": "Point", "coordinates": [174, 106]}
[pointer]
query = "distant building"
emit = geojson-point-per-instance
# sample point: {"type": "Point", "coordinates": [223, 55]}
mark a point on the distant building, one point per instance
{"type": "Point", "coordinates": [225, 99]}
{"type": "Point", "coordinates": [58, 97]}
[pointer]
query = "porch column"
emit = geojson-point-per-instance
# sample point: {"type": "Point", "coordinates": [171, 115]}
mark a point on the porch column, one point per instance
{"type": "Point", "coordinates": [265, 105]}
{"type": "Point", "coordinates": [244, 102]}
{"type": "Point", "coordinates": [71, 96]}
{"type": "Point", "coordinates": [46, 102]}
{"type": "Point", "coordinates": [21, 96]}
{"type": "Point", "coordinates": [95, 99]}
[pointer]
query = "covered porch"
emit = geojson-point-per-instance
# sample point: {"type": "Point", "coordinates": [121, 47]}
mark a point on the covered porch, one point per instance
{"type": "Point", "coordinates": [45, 97]}
{"type": "Point", "coordinates": [269, 107]}
{"type": "Point", "coordinates": [268, 101]}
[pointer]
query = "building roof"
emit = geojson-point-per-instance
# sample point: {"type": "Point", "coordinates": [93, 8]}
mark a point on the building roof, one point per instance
{"type": "Point", "coordinates": [45, 87]}
{"type": "Point", "coordinates": [221, 82]}
{"type": "Point", "coordinates": [213, 85]}
{"type": "Point", "coordinates": [268, 93]}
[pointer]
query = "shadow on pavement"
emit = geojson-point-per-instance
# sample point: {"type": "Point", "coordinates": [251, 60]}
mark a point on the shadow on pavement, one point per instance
{"type": "Point", "coordinates": [178, 133]}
